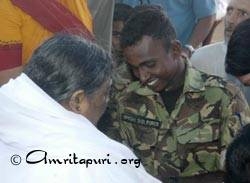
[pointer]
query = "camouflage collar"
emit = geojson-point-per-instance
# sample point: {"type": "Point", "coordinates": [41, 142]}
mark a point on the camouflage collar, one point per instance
{"type": "Point", "coordinates": [194, 79]}
{"type": "Point", "coordinates": [136, 87]}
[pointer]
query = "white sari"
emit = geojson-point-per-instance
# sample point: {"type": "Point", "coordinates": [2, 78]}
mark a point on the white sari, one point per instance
{"type": "Point", "coordinates": [32, 122]}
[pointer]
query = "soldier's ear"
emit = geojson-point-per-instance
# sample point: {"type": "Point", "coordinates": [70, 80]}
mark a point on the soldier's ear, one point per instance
{"type": "Point", "coordinates": [175, 49]}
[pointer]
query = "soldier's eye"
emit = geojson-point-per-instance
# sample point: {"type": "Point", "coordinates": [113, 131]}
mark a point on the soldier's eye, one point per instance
{"type": "Point", "coordinates": [150, 64]}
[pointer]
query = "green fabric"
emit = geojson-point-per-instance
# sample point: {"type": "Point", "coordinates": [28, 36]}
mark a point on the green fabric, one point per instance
{"type": "Point", "coordinates": [189, 140]}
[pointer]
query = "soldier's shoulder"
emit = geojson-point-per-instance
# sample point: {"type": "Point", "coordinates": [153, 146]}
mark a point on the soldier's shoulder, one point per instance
{"type": "Point", "coordinates": [213, 81]}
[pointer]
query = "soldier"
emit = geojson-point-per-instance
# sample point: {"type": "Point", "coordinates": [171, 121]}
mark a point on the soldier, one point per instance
{"type": "Point", "coordinates": [121, 75]}
{"type": "Point", "coordinates": [177, 119]}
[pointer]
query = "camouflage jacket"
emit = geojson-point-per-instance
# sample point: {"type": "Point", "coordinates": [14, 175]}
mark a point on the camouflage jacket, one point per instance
{"type": "Point", "coordinates": [121, 78]}
{"type": "Point", "coordinates": [193, 138]}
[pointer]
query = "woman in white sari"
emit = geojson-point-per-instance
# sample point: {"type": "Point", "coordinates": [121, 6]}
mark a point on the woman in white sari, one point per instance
{"type": "Point", "coordinates": [48, 116]}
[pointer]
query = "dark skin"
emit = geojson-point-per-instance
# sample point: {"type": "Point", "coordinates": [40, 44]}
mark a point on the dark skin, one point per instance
{"type": "Point", "coordinates": [162, 70]}
{"type": "Point", "coordinates": [201, 30]}
{"type": "Point", "coordinates": [7, 74]}
{"type": "Point", "coordinates": [154, 66]}
{"type": "Point", "coordinates": [91, 106]}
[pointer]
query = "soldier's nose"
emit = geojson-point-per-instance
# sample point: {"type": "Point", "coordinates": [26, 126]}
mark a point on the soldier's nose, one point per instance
{"type": "Point", "coordinates": [144, 76]}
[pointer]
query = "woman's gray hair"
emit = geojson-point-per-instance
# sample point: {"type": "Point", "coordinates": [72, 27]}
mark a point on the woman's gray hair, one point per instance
{"type": "Point", "coordinates": [66, 63]}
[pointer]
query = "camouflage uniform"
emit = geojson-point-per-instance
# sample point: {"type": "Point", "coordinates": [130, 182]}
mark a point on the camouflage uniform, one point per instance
{"type": "Point", "coordinates": [121, 78]}
{"type": "Point", "coordinates": [189, 141]}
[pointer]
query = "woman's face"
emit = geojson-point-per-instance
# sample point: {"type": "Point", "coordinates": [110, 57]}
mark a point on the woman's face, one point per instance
{"type": "Point", "coordinates": [90, 106]}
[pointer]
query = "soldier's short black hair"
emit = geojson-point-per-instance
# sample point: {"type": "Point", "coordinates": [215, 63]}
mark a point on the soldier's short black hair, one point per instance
{"type": "Point", "coordinates": [122, 12]}
{"type": "Point", "coordinates": [237, 60]}
{"type": "Point", "coordinates": [149, 22]}
{"type": "Point", "coordinates": [237, 162]}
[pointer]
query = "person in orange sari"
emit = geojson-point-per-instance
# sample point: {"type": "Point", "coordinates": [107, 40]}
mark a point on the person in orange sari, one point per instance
{"type": "Point", "coordinates": [25, 24]}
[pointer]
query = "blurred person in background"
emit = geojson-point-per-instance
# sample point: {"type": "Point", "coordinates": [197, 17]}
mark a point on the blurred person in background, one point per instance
{"type": "Point", "coordinates": [192, 19]}
{"type": "Point", "coordinates": [237, 62]}
{"type": "Point", "coordinates": [211, 58]}
{"type": "Point", "coordinates": [121, 75]}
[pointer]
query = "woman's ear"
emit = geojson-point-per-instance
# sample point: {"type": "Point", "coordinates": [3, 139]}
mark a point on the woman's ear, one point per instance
{"type": "Point", "coordinates": [176, 49]}
{"type": "Point", "coordinates": [78, 102]}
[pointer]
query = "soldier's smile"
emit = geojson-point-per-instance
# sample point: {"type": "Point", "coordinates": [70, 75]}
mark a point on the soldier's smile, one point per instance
{"type": "Point", "coordinates": [153, 65]}
{"type": "Point", "coordinates": [152, 82]}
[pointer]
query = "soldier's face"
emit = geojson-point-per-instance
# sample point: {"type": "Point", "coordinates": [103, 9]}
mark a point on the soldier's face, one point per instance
{"type": "Point", "coordinates": [152, 65]}
{"type": "Point", "coordinates": [237, 11]}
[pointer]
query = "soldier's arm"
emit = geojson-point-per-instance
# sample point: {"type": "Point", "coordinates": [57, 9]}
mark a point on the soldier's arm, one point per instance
{"type": "Point", "coordinates": [110, 123]}
{"type": "Point", "coordinates": [235, 114]}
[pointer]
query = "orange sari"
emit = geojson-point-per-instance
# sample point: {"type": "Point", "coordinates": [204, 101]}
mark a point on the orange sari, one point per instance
{"type": "Point", "coordinates": [21, 34]}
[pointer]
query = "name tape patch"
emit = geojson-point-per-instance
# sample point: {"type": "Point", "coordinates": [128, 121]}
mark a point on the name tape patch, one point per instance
{"type": "Point", "coordinates": [131, 118]}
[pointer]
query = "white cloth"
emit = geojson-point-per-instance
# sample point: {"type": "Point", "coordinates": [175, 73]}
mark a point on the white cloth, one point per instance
{"type": "Point", "coordinates": [221, 8]}
{"type": "Point", "coordinates": [31, 120]}
{"type": "Point", "coordinates": [210, 59]}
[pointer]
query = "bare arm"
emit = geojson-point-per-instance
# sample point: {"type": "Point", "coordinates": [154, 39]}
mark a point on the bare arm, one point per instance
{"type": "Point", "coordinates": [5, 75]}
{"type": "Point", "coordinates": [201, 30]}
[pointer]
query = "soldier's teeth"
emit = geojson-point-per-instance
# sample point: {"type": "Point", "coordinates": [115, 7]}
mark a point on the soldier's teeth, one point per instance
{"type": "Point", "coordinates": [152, 82]}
